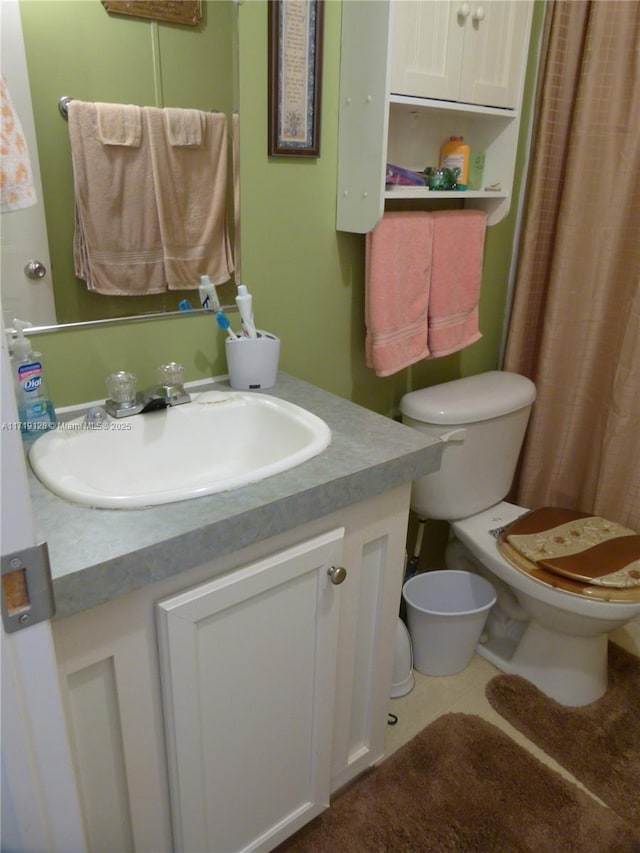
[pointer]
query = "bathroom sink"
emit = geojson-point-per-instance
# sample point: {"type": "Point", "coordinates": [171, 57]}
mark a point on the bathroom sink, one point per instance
{"type": "Point", "coordinates": [219, 441]}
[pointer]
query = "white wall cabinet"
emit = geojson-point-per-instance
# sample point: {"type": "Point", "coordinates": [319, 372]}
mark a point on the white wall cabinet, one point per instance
{"type": "Point", "coordinates": [274, 689]}
{"type": "Point", "coordinates": [460, 51]}
{"type": "Point", "coordinates": [413, 74]}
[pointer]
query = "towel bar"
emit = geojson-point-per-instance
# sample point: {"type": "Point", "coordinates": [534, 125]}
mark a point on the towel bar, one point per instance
{"type": "Point", "coordinates": [63, 104]}
{"type": "Point", "coordinates": [64, 101]}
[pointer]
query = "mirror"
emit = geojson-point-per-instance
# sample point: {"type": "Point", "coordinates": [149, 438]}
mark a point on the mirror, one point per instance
{"type": "Point", "coordinates": [82, 51]}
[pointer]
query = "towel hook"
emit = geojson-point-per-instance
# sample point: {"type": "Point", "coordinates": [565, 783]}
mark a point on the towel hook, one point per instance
{"type": "Point", "coordinates": [63, 106]}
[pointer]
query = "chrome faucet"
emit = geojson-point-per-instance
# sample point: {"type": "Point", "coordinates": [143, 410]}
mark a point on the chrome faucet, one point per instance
{"type": "Point", "coordinates": [124, 401]}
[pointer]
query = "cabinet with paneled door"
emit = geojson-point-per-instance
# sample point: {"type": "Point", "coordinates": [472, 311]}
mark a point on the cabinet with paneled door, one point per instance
{"type": "Point", "coordinates": [459, 51]}
{"type": "Point", "coordinates": [219, 708]}
{"type": "Point", "coordinates": [248, 664]}
{"type": "Point", "coordinates": [426, 71]}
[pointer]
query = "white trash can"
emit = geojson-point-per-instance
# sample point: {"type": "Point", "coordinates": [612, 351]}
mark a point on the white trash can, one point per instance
{"type": "Point", "coordinates": [446, 612]}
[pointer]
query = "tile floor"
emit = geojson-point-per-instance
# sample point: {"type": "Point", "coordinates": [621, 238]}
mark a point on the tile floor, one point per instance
{"type": "Point", "coordinates": [433, 696]}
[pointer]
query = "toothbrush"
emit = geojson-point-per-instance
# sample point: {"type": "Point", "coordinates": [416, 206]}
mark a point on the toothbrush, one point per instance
{"type": "Point", "coordinates": [225, 325]}
{"type": "Point", "coordinates": [244, 302]}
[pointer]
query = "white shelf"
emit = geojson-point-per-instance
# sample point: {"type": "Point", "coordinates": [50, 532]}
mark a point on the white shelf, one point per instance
{"type": "Point", "coordinates": [436, 195]}
{"type": "Point", "coordinates": [452, 107]}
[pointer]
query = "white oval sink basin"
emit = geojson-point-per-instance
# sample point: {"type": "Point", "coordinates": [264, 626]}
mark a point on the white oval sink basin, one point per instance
{"type": "Point", "coordinates": [219, 441]}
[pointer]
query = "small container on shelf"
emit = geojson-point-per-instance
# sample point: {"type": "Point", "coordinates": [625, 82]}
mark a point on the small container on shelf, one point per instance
{"type": "Point", "coordinates": [443, 179]}
{"type": "Point", "coordinates": [476, 170]}
{"type": "Point", "coordinates": [455, 154]}
{"type": "Point", "coordinates": [396, 176]}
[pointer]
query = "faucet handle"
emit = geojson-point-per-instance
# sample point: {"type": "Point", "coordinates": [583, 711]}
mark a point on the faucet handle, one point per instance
{"type": "Point", "coordinates": [171, 379]}
{"type": "Point", "coordinates": [171, 374]}
{"type": "Point", "coordinates": [121, 387]}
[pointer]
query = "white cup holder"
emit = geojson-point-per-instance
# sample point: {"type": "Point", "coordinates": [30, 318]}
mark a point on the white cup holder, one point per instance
{"type": "Point", "coordinates": [253, 362]}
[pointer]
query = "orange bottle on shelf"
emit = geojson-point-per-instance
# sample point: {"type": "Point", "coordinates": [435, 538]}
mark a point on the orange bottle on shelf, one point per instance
{"type": "Point", "coordinates": [455, 154]}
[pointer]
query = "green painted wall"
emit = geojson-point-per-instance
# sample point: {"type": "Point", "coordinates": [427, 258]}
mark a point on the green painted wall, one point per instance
{"type": "Point", "coordinates": [306, 278]}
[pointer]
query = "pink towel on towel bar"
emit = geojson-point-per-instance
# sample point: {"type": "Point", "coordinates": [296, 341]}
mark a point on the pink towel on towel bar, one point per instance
{"type": "Point", "coordinates": [456, 276]}
{"type": "Point", "coordinates": [397, 275]}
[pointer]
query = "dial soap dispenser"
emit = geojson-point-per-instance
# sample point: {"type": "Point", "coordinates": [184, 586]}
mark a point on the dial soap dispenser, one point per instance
{"type": "Point", "coordinates": [35, 410]}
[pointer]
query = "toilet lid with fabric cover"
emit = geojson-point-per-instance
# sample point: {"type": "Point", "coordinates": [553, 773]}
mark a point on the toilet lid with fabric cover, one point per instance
{"type": "Point", "coordinates": [575, 551]}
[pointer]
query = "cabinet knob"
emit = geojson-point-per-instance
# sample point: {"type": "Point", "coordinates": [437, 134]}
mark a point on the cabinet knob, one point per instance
{"type": "Point", "coordinates": [479, 14]}
{"type": "Point", "coordinates": [464, 11]}
{"type": "Point", "coordinates": [337, 574]}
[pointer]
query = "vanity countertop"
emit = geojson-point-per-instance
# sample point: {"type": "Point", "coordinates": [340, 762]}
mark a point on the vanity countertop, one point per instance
{"type": "Point", "coordinates": [99, 554]}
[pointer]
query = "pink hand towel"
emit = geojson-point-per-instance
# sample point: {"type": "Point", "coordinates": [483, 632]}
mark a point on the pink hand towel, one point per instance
{"type": "Point", "coordinates": [398, 271]}
{"type": "Point", "coordinates": [456, 276]}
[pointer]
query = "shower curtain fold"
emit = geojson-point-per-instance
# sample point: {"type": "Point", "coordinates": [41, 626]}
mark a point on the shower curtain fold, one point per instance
{"type": "Point", "coordinates": [575, 326]}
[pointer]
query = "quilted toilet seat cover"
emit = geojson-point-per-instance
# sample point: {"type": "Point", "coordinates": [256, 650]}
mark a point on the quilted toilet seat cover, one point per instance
{"type": "Point", "coordinates": [572, 549]}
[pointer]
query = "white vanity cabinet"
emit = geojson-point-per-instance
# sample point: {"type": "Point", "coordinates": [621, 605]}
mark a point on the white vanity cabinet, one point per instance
{"type": "Point", "coordinates": [413, 74]}
{"type": "Point", "coordinates": [216, 710]}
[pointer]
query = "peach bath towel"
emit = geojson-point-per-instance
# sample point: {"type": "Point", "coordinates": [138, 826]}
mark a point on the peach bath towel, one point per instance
{"type": "Point", "coordinates": [190, 192]}
{"type": "Point", "coordinates": [456, 276]}
{"type": "Point", "coordinates": [117, 243]}
{"type": "Point", "coordinates": [397, 277]}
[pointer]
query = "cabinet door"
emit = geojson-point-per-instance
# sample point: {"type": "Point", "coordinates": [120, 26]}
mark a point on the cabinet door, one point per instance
{"type": "Point", "coordinates": [472, 51]}
{"type": "Point", "coordinates": [426, 49]}
{"type": "Point", "coordinates": [495, 40]}
{"type": "Point", "coordinates": [374, 551]}
{"type": "Point", "coordinates": [248, 665]}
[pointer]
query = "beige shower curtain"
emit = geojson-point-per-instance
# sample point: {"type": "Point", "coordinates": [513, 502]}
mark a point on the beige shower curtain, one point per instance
{"type": "Point", "coordinates": [575, 326]}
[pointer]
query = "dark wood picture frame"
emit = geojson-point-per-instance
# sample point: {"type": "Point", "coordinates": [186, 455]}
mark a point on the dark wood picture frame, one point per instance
{"type": "Point", "coordinates": [295, 77]}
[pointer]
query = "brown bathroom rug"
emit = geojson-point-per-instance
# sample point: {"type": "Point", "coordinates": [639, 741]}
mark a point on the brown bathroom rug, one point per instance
{"type": "Point", "coordinates": [463, 786]}
{"type": "Point", "coordinates": [598, 743]}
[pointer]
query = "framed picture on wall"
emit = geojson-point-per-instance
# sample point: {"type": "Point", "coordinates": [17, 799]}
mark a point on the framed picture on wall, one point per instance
{"type": "Point", "coordinates": [295, 77]}
{"type": "Point", "coordinates": [187, 12]}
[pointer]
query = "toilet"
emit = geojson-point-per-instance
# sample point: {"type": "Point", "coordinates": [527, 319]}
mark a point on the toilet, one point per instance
{"type": "Point", "coordinates": [553, 634]}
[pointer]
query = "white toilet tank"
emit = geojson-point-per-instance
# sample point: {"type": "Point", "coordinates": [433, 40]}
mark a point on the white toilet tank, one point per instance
{"type": "Point", "coordinates": [483, 420]}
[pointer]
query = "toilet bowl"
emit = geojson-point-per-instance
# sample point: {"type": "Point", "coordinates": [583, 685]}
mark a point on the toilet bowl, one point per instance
{"type": "Point", "coordinates": [561, 646]}
{"type": "Point", "coordinates": [556, 638]}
